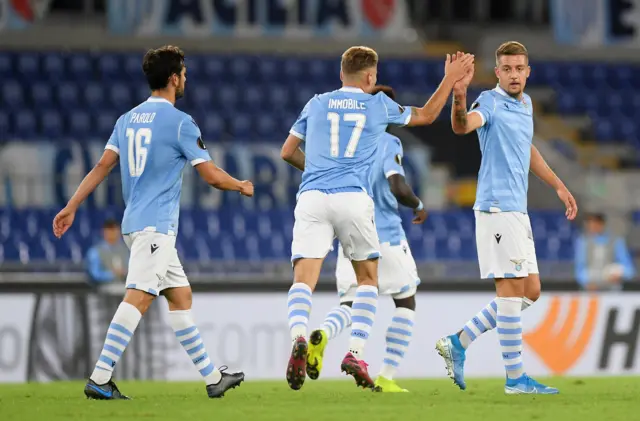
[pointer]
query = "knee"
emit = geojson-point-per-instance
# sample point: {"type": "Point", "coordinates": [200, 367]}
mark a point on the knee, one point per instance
{"type": "Point", "coordinates": [534, 294]}
{"type": "Point", "coordinates": [408, 303]}
{"type": "Point", "coordinates": [139, 299]}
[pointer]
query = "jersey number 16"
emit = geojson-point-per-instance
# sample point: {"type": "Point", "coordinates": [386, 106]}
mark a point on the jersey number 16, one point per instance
{"type": "Point", "coordinates": [334, 118]}
{"type": "Point", "coordinates": [137, 152]}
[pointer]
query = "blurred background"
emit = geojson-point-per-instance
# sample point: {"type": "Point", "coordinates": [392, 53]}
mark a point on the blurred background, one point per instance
{"type": "Point", "coordinates": [69, 68]}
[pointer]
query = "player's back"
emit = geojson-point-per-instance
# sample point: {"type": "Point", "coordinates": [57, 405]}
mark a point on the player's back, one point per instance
{"type": "Point", "coordinates": [343, 129]}
{"type": "Point", "coordinates": [387, 163]}
{"type": "Point", "coordinates": [151, 163]}
{"type": "Point", "coordinates": [505, 143]}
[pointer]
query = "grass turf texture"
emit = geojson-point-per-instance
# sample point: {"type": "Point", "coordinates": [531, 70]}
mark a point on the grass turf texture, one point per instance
{"type": "Point", "coordinates": [580, 399]}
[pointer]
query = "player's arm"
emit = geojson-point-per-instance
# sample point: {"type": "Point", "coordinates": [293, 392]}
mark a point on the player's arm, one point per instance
{"type": "Point", "coordinates": [540, 168]}
{"type": "Point", "coordinates": [218, 178]}
{"type": "Point", "coordinates": [292, 153]}
{"type": "Point", "coordinates": [192, 147]}
{"type": "Point", "coordinates": [463, 122]}
{"type": "Point", "coordinates": [455, 68]}
{"type": "Point", "coordinates": [64, 219]}
{"type": "Point", "coordinates": [394, 172]}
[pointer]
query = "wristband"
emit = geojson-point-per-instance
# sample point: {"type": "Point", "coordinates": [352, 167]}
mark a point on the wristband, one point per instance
{"type": "Point", "coordinates": [420, 206]}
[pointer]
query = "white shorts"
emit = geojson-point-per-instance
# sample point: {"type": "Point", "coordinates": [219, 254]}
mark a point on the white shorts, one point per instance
{"type": "Point", "coordinates": [505, 245]}
{"type": "Point", "coordinates": [397, 273]}
{"type": "Point", "coordinates": [153, 263]}
{"type": "Point", "coordinates": [321, 217]}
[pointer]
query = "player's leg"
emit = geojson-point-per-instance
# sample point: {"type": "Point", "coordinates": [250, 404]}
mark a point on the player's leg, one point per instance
{"type": "Point", "coordinates": [179, 297]}
{"type": "Point", "coordinates": [312, 239]}
{"type": "Point", "coordinates": [502, 253]}
{"type": "Point", "coordinates": [485, 320]}
{"type": "Point", "coordinates": [353, 217]}
{"type": "Point", "coordinates": [398, 278]}
{"type": "Point", "coordinates": [338, 318]}
{"type": "Point", "coordinates": [142, 289]}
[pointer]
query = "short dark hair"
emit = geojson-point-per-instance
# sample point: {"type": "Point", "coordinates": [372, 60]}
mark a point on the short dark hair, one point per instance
{"type": "Point", "coordinates": [388, 91]}
{"type": "Point", "coordinates": [158, 65]}
{"type": "Point", "coordinates": [110, 223]}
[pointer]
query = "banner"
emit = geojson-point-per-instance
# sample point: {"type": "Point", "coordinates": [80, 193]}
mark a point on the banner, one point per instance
{"type": "Point", "coordinates": [45, 174]}
{"type": "Point", "coordinates": [592, 23]}
{"type": "Point", "coordinates": [53, 337]}
{"type": "Point", "coordinates": [20, 14]}
{"type": "Point", "coordinates": [259, 18]}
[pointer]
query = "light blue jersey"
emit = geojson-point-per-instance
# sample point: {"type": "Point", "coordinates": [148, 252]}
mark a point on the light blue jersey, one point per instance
{"type": "Point", "coordinates": [388, 162]}
{"type": "Point", "coordinates": [342, 130]}
{"type": "Point", "coordinates": [155, 140]}
{"type": "Point", "coordinates": [505, 142]}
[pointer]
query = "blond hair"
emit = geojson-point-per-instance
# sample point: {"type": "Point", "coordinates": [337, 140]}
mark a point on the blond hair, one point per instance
{"type": "Point", "coordinates": [511, 48]}
{"type": "Point", "coordinates": [356, 59]}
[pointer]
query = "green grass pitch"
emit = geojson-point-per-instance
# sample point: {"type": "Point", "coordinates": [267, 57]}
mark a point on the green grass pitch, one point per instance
{"type": "Point", "coordinates": [587, 399]}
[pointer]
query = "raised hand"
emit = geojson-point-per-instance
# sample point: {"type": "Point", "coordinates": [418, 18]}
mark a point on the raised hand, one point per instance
{"type": "Point", "coordinates": [457, 66]}
{"type": "Point", "coordinates": [461, 85]}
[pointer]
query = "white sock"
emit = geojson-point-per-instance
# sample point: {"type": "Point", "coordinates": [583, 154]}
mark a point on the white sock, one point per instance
{"type": "Point", "coordinates": [484, 321]}
{"type": "Point", "coordinates": [363, 313]}
{"type": "Point", "coordinates": [120, 332]}
{"type": "Point", "coordinates": [189, 337]}
{"type": "Point", "coordinates": [398, 338]}
{"type": "Point", "coordinates": [337, 320]}
{"type": "Point", "coordinates": [299, 307]}
{"type": "Point", "coordinates": [509, 325]}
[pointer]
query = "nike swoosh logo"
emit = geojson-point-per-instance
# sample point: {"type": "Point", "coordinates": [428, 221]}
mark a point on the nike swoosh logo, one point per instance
{"type": "Point", "coordinates": [100, 391]}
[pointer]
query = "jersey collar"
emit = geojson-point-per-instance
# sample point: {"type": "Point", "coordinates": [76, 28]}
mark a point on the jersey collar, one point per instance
{"type": "Point", "coordinates": [351, 89]}
{"type": "Point", "coordinates": [502, 92]}
{"type": "Point", "coordinates": [157, 99]}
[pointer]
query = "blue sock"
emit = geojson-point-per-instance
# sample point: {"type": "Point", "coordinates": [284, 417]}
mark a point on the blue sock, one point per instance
{"type": "Point", "coordinates": [363, 313]}
{"type": "Point", "coordinates": [299, 308]}
{"type": "Point", "coordinates": [120, 332]}
{"type": "Point", "coordinates": [189, 337]}
{"type": "Point", "coordinates": [337, 320]}
{"type": "Point", "coordinates": [509, 325]}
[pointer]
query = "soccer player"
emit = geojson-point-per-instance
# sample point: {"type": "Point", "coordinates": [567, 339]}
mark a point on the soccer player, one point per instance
{"type": "Point", "coordinates": [503, 118]}
{"type": "Point", "coordinates": [342, 130]}
{"type": "Point", "coordinates": [157, 140]}
{"type": "Point", "coordinates": [397, 272]}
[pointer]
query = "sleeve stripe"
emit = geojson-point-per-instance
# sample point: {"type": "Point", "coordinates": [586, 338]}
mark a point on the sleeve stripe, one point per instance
{"type": "Point", "coordinates": [408, 117]}
{"type": "Point", "coordinates": [481, 116]}
{"type": "Point", "coordinates": [113, 148]}
{"type": "Point", "coordinates": [390, 173]}
{"type": "Point", "coordinates": [198, 161]}
{"type": "Point", "coordinates": [296, 134]}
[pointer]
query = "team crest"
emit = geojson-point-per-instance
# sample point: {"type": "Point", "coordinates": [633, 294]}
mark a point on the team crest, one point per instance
{"type": "Point", "coordinates": [518, 263]}
{"type": "Point", "coordinates": [475, 105]}
{"type": "Point", "coordinates": [398, 159]}
{"type": "Point", "coordinates": [201, 144]}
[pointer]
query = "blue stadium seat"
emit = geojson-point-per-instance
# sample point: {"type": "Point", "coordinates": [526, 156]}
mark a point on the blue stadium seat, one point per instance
{"type": "Point", "coordinates": [53, 66]}
{"type": "Point", "coordinates": [6, 64]}
{"type": "Point", "coordinates": [52, 124]}
{"type": "Point", "coordinates": [94, 95]}
{"type": "Point", "coordinates": [42, 95]}
{"type": "Point", "coordinates": [24, 124]}
{"type": "Point", "coordinates": [5, 125]}
{"type": "Point", "coordinates": [79, 123]}
{"type": "Point", "coordinates": [28, 66]}
{"type": "Point", "coordinates": [80, 67]}
{"type": "Point", "coordinates": [67, 94]}
{"type": "Point", "coordinates": [12, 94]}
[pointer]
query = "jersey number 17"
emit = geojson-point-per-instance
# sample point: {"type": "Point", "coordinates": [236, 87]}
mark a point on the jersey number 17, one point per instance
{"type": "Point", "coordinates": [334, 119]}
